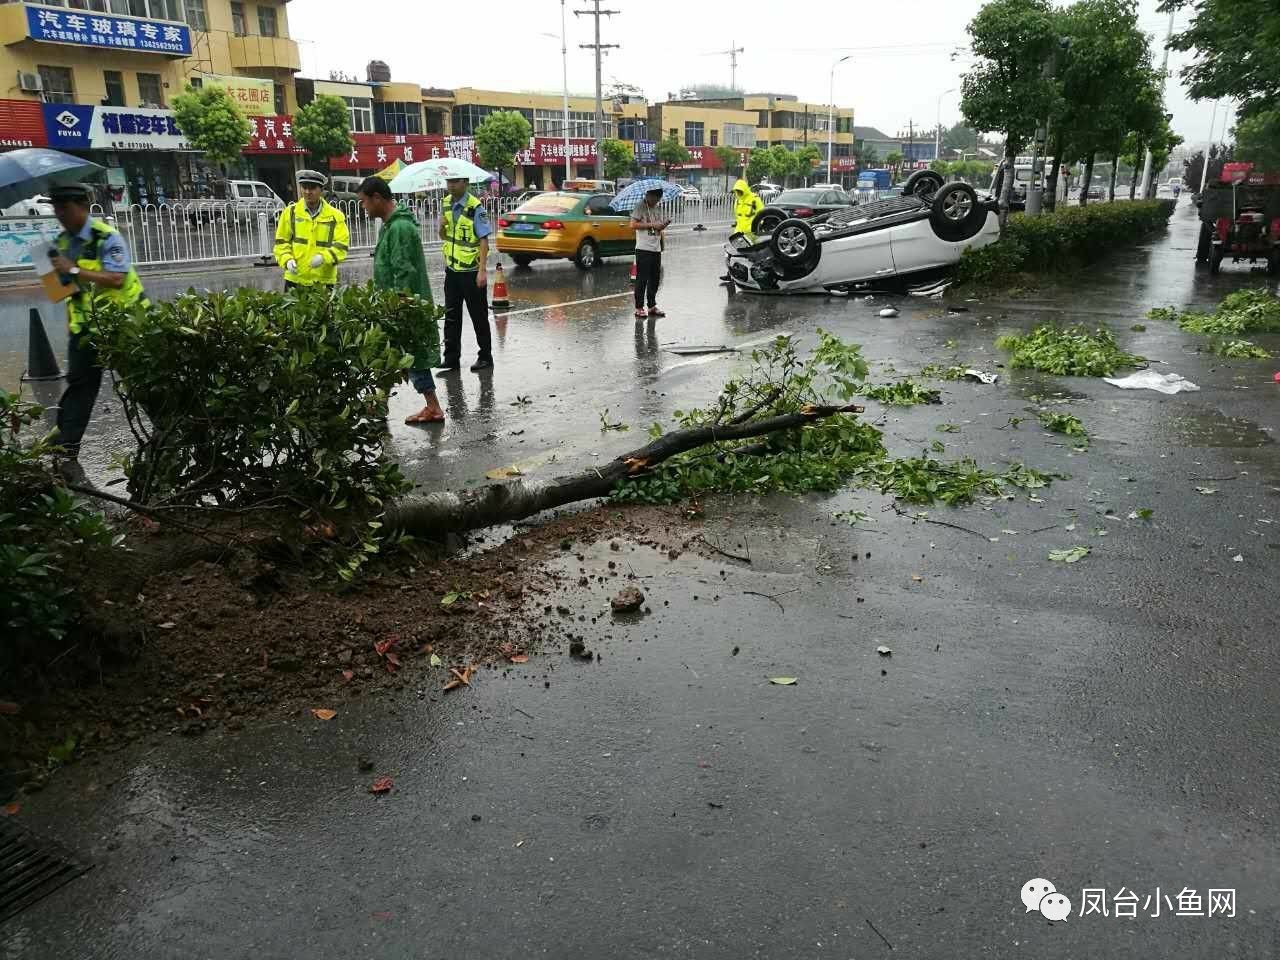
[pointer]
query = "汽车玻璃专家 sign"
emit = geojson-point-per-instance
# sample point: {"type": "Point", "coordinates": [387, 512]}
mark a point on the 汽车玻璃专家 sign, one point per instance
{"type": "Point", "coordinates": [88, 29]}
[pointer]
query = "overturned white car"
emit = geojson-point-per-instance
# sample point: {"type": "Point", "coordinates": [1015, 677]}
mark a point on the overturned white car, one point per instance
{"type": "Point", "coordinates": [925, 229]}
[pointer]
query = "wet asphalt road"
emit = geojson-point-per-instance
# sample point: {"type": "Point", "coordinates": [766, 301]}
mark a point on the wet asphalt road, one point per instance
{"type": "Point", "coordinates": [1104, 724]}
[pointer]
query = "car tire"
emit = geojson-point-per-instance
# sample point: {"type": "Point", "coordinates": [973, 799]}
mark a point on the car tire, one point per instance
{"type": "Point", "coordinates": [922, 183]}
{"type": "Point", "coordinates": [588, 255]}
{"type": "Point", "coordinates": [522, 259]}
{"type": "Point", "coordinates": [793, 242]}
{"type": "Point", "coordinates": [767, 221]}
{"type": "Point", "coordinates": [955, 213]}
{"type": "Point", "coordinates": [1215, 260]}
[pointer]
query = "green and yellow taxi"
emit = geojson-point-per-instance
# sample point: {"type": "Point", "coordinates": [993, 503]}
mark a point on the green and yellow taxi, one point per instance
{"type": "Point", "coordinates": [577, 225]}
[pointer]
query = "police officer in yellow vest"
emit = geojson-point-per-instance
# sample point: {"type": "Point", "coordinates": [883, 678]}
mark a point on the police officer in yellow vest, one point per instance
{"type": "Point", "coordinates": [92, 256]}
{"type": "Point", "coordinates": [465, 229]}
{"type": "Point", "coordinates": [311, 236]}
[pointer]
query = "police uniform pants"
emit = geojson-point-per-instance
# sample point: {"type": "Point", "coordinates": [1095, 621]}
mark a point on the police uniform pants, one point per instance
{"type": "Point", "coordinates": [459, 289]}
{"type": "Point", "coordinates": [84, 380]}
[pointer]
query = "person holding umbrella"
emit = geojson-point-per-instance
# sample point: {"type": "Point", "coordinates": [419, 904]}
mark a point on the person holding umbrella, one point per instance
{"type": "Point", "coordinates": [311, 236]}
{"type": "Point", "coordinates": [648, 223]}
{"type": "Point", "coordinates": [465, 229]}
{"type": "Point", "coordinates": [91, 255]}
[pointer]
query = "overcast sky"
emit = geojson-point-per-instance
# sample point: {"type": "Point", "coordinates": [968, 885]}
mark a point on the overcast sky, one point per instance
{"type": "Point", "coordinates": [901, 53]}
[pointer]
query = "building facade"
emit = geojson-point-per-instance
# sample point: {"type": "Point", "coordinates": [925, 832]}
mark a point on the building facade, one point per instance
{"type": "Point", "coordinates": [98, 77]}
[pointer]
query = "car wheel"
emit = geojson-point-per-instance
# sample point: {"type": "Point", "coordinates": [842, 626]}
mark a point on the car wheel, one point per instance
{"type": "Point", "coordinates": [955, 212]}
{"type": "Point", "coordinates": [522, 259]}
{"type": "Point", "coordinates": [587, 255]}
{"type": "Point", "coordinates": [767, 221]}
{"type": "Point", "coordinates": [793, 242]}
{"type": "Point", "coordinates": [922, 183]}
{"type": "Point", "coordinates": [1215, 260]}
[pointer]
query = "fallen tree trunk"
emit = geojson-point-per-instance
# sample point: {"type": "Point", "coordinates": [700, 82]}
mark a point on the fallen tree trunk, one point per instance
{"type": "Point", "coordinates": [449, 512]}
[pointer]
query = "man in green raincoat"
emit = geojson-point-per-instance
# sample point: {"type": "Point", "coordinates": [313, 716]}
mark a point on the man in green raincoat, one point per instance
{"type": "Point", "coordinates": [399, 264]}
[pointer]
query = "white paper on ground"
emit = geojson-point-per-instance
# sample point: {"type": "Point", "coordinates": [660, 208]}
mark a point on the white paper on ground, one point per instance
{"type": "Point", "coordinates": [1150, 380]}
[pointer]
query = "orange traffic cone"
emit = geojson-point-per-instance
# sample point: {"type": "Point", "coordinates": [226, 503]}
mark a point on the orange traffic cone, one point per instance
{"type": "Point", "coordinates": [633, 272]}
{"type": "Point", "coordinates": [500, 301]}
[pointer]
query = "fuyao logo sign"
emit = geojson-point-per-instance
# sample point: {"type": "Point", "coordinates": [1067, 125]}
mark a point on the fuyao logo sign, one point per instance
{"type": "Point", "coordinates": [1042, 896]}
{"type": "Point", "coordinates": [68, 120]}
{"type": "Point", "coordinates": [66, 125]}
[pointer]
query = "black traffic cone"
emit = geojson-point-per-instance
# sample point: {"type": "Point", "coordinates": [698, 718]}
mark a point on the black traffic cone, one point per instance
{"type": "Point", "coordinates": [41, 363]}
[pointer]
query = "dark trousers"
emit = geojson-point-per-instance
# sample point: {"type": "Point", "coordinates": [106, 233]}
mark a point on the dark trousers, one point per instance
{"type": "Point", "coordinates": [84, 380]}
{"type": "Point", "coordinates": [460, 288]}
{"type": "Point", "coordinates": [648, 273]}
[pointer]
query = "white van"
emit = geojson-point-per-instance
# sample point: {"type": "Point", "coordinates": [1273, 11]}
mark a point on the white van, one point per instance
{"type": "Point", "coordinates": [344, 188]}
{"type": "Point", "coordinates": [234, 199]}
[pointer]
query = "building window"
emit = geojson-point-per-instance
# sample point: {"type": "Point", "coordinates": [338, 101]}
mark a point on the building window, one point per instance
{"type": "Point", "coordinates": [114, 81]}
{"type": "Point", "coordinates": [396, 117]}
{"type": "Point", "coordinates": [237, 19]}
{"type": "Point", "coordinates": [629, 128]}
{"type": "Point", "coordinates": [739, 135]}
{"type": "Point", "coordinates": [57, 84]}
{"type": "Point", "coordinates": [715, 138]}
{"type": "Point", "coordinates": [196, 83]}
{"type": "Point", "coordinates": [361, 110]}
{"type": "Point", "coordinates": [435, 122]}
{"type": "Point", "coordinates": [784, 118]}
{"type": "Point", "coordinates": [266, 20]}
{"type": "Point", "coordinates": [693, 133]}
{"type": "Point", "coordinates": [197, 16]}
{"type": "Point", "coordinates": [148, 9]}
{"type": "Point", "coordinates": [278, 89]}
{"type": "Point", "coordinates": [468, 117]}
{"type": "Point", "coordinates": [550, 123]}
{"type": "Point", "coordinates": [150, 90]}
{"type": "Point", "coordinates": [764, 118]}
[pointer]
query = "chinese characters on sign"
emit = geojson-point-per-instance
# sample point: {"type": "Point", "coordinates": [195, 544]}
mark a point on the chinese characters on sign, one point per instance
{"type": "Point", "coordinates": [100, 30]}
{"type": "Point", "coordinates": [271, 135]}
{"type": "Point", "coordinates": [121, 128]}
{"type": "Point", "coordinates": [254, 97]}
{"type": "Point", "coordinates": [547, 150]}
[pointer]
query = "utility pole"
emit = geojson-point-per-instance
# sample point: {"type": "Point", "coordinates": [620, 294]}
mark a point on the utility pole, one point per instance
{"type": "Point", "coordinates": [1164, 76]}
{"type": "Point", "coordinates": [599, 48]}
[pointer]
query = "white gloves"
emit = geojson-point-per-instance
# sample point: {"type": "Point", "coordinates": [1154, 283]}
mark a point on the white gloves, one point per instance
{"type": "Point", "coordinates": [317, 260]}
{"type": "Point", "coordinates": [291, 266]}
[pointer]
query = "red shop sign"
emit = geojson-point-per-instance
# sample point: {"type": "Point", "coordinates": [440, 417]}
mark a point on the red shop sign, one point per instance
{"type": "Point", "coordinates": [21, 124]}
{"type": "Point", "coordinates": [271, 135]}
{"type": "Point", "coordinates": [377, 150]}
{"type": "Point", "coordinates": [844, 163]}
{"type": "Point", "coordinates": [704, 158]}
{"type": "Point", "coordinates": [551, 150]}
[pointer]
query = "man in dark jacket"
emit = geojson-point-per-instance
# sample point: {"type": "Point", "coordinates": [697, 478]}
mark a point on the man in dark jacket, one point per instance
{"type": "Point", "coordinates": [399, 264]}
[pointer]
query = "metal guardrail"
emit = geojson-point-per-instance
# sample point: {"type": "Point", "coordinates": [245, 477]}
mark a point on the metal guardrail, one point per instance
{"type": "Point", "coordinates": [203, 231]}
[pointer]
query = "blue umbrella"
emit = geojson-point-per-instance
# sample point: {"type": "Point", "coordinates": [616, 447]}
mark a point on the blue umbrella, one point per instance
{"type": "Point", "coordinates": [32, 170]}
{"type": "Point", "coordinates": [633, 193]}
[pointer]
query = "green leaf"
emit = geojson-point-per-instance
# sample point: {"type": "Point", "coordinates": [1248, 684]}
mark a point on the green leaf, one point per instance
{"type": "Point", "coordinates": [435, 660]}
{"type": "Point", "coordinates": [1072, 555]}
{"type": "Point", "coordinates": [783, 681]}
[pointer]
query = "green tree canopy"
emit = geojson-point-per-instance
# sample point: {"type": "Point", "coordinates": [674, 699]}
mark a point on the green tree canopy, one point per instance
{"type": "Point", "coordinates": [759, 165]}
{"type": "Point", "coordinates": [672, 153]}
{"type": "Point", "coordinates": [323, 128]}
{"type": "Point", "coordinates": [870, 156]}
{"type": "Point", "coordinates": [960, 137]}
{"type": "Point", "coordinates": [500, 136]}
{"type": "Point", "coordinates": [619, 158]}
{"type": "Point", "coordinates": [213, 123]}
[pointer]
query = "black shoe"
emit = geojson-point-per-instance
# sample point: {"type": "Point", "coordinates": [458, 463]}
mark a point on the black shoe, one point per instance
{"type": "Point", "coordinates": [449, 368]}
{"type": "Point", "coordinates": [70, 471]}
{"type": "Point", "coordinates": [725, 278]}
{"type": "Point", "coordinates": [482, 364]}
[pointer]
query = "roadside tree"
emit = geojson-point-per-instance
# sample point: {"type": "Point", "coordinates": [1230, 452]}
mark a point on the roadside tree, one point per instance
{"type": "Point", "coordinates": [672, 153]}
{"type": "Point", "coordinates": [500, 136]}
{"type": "Point", "coordinates": [619, 158]}
{"type": "Point", "coordinates": [729, 160]}
{"type": "Point", "coordinates": [323, 129]}
{"type": "Point", "coordinates": [213, 124]}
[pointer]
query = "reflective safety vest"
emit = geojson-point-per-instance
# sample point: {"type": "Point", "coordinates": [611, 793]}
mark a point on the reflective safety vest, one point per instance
{"type": "Point", "coordinates": [461, 248]}
{"type": "Point", "coordinates": [745, 209]}
{"type": "Point", "coordinates": [299, 237]}
{"type": "Point", "coordinates": [80, 305]}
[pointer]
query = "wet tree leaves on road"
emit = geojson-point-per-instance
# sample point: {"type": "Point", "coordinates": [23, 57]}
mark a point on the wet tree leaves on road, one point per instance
{"type": "Point", "coordinates": [323, 713]}
{"type": "Point", "coordinates": [1074, 555]}
{"type": "Point", "coordinates": [783, 681]}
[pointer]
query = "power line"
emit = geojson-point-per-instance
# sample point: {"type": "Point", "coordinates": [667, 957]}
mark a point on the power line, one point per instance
{"type": "Point", "coordinates": [596, 13]}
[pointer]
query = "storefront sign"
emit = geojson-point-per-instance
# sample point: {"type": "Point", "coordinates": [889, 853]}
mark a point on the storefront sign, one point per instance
{"type": "Point", "coordinates": [549, 150]}
{"type": "Point", "coordinates": [839, 164]}
{"type": "Point", "coordinates": [377, 150]}
{"type": "Point", "coordinates": [67, 125]}
{"type": "Point", "coordinates": [17, 234]}
{"type": "Point", "coordinates": [21, 125]}
{"type": "Point", "coordinates": [704, 158]}
{"type": "Point", "coordinates": [464, 148]}
{"type": "Point", "coordinates": [86, 29]}
{"type": "Point", "coordinates": [272, 135]}
{"type": "Point", "coordinates": [646, 151]}
{"type": "Point", "coordinates": [136, 128]}
{"type": "Point", "coordinates": [254, 97]}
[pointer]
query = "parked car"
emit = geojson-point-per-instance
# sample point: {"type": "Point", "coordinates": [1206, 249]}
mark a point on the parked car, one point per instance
{"type": "Point", "coordinates": [37, 206]}
{"type": "Point", "coordinates": [766, 191]}
{"type": "Point", "coordinates": [344, 188]}
{"type": "Point", "coordinates": [231, 199]}
{"type": "Point", "coordinates": [925, 229]}
{"type": "Point", "coordinates": [809, 202]}
{"type": "Point", "coordinates": [574, 226]}
{"type": "Point", "coordinates": [690, 195]}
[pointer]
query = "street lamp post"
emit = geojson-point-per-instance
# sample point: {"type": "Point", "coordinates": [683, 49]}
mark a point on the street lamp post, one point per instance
{"type": "Point", "coordinates": [937, 132]}
{"type": "Point", "coordinates": [831, 113]}
{"type": "Point", "coordinates": [564, 67]}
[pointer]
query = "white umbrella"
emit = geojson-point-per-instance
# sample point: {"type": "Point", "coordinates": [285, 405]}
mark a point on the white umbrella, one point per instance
{"type": "Point", "coordinates": [432, 174]}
